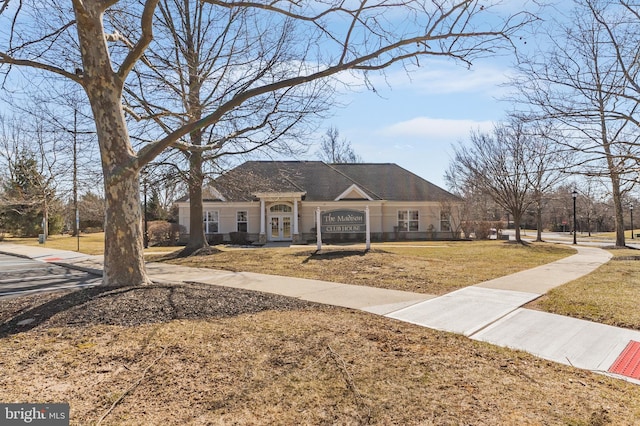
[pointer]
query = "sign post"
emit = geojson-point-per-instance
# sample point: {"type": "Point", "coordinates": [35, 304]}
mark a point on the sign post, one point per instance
{"type": "Point", "coordinates": [368, 228]}
{"type": "Point", "coordinates": [318, 229]}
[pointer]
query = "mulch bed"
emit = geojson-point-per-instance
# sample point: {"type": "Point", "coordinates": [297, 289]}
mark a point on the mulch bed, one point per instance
{"type": "Point", "coordinates": [133, 306]}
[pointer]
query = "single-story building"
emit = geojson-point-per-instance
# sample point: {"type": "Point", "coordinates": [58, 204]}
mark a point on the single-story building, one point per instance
{"type": "Point", "coordinates": [280, 200]}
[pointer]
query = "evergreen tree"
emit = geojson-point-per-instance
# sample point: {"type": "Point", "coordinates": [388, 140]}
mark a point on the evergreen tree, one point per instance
{"type": "Point", "coordinates": [154, 207]}
{"type": "Point", "coordinates": [26, 197]}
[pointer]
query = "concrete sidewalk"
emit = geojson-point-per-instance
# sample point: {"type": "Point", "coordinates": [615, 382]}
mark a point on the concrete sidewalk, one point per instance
{"type": "Point", "coordinates": [490, 311]}
{"type": "Point", "coordinates": [470, 309]}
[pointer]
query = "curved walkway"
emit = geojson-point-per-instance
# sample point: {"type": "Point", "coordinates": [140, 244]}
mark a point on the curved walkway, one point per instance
{"type": "Point", "coordinates": [490, 311]}
{"type": "Point", "coordinates": [471, 309]}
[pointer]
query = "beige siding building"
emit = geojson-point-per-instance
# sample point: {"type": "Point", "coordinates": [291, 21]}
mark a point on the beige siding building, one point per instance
{"type": "Point", "coordinates": [279, 201]}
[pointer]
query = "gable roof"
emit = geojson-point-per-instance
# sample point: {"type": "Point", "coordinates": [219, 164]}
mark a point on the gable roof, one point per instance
{"type": "Point", "coordinates": [326, 182]}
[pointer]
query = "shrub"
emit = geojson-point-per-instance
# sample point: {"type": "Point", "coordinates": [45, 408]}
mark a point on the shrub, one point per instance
{"type": "Point", "coordinates": [239, 238]}
{"type": "Point", "coordinates": [214, 239]}
{"type": "Point", "coordinates": [56, 224]}
{"type": "Point", "coordinates": [163, 233]}
{"type": "Point", "coordinates": [92, 230]}
{"type": "Point", "coordinates": [482, 229]}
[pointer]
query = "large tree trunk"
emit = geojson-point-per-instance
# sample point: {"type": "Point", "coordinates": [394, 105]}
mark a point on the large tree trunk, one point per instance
{"type": "Point", "coordinates": [123, 254]}
{"type": "Point", "coordinates": [539, 223]}
{"type": "Point", "coordinates": [197, 238]}
{"type": "Point", "coordinates": [617, 202]}
{"type": "Point", "coordinates": [538, 196]}
{"type": "Point", "coordinates": [516, 224]}
{"type": "Point", "coordinates": [124, 237]}
{"type": "Point", "coordinates": [615, 183]}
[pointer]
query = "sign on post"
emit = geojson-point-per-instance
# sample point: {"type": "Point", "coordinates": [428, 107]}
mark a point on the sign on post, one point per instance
{"type": "Point", "coordinates": [343, 222]}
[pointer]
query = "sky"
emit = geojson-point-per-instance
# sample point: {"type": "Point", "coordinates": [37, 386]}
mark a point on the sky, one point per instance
{"type": "Point", "coordinates": [414, 120]}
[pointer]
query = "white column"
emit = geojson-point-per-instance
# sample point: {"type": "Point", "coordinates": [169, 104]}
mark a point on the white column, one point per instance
{"type": "Point", "coordinates": [295, 217]}
{"type": "Point", "coordinates": [262, 218]}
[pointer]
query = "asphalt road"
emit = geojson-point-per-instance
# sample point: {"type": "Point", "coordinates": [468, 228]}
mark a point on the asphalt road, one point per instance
{"type": "Point", "coordinates": [19, 277]}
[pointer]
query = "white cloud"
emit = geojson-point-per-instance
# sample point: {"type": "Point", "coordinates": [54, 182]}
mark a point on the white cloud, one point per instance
{"type": "Point", "coordinates": [460, 80]}
{"type": "Point", "coordinates": [435, 128]}
{"type": "Point", "coordinates": [438, 77]}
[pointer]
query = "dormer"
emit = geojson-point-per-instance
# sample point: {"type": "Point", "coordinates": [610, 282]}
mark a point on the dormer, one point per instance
{"type": "Point", "coordinates": [211, 193]}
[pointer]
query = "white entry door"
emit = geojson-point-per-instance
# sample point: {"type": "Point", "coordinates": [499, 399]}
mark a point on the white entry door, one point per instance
{"type": "Point", "coordinates": [280, 228]}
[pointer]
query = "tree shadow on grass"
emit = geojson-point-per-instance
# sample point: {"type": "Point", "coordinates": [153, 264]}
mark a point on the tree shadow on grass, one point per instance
{"type": "Point", "coordinates": [34, 316]}
{"type": "Point", "coordinates": [134, 306]}
{"type": "Point", "coordinates": [334, 254]}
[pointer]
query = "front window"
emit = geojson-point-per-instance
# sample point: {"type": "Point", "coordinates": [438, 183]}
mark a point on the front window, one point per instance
{"type": "Point", "coordinates": [241, 221]}
{"type": "Point", "coordinates": [210, 222]}
{"type": "Point", "coordinates": [280, 208]}
{"type": "Point", "coordinates": [408, 220]}
{"type": "Point", "coordinates": [445, 221]}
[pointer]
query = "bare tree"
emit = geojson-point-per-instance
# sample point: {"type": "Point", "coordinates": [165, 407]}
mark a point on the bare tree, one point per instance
{"type": "Point", "coordinates": [495, 164]}
{"type": "Point", "coordinates": [206, 56]}
{"type": "Point", "coordinates": [334, 149]}
{"type": "Point", "coordinates": [620, 19]}
{"type": "Point", "coordinates": [580, 84]}
{"type": "Point", "coordinates": [545, 166]}
{"type": "Point", "coordinates": [91, 208]}
{"type": "Point", "coordinates": [517, 166]}
{"type": "Point", "coordinates": [62, 117]}
{"type": "Point", "coordinates": [479, 209]}
{"type": "Point", "coordinates": [72, 41]}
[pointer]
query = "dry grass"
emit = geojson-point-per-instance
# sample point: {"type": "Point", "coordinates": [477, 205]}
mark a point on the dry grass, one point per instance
{"type": "Point", "coordinates": [217, 357]}
{"type": "Point", "coordinates": [432, 268]}
{"type": "Point", "coordinates": [92, 244]}
{"type": "Point", "coordinates": [321, 367]}
{"type": "Point", "coordinates": [608, 236]}
{"type": "Point", "coordinates": [423, 267]}
{"type": "Point", "coordinates": [608, 295]}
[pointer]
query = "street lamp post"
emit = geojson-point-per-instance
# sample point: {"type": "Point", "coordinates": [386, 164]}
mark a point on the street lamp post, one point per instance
{"type": "Point", "coordinates": [574, 194]}
{"type": "Point", "coordinates": [75, 178]}
{"type": "Point", "coordinates": [631, 210]}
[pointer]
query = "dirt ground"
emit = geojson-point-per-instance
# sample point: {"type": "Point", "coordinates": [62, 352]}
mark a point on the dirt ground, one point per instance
{"type": "Point", "coordinates": [180, 354]}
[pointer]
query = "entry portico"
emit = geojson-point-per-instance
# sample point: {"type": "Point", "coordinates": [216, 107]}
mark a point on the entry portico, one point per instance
{"type": "Point", "coordinates": [280, 211]}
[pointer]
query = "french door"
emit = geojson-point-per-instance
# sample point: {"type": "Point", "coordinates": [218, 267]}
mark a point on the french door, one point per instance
{"type": "Point", "coordinates": [280, 228]}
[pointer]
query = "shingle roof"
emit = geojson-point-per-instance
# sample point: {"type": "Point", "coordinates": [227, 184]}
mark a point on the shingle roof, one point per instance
{"type": "Point", "coordinates": [325, 182]}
